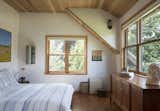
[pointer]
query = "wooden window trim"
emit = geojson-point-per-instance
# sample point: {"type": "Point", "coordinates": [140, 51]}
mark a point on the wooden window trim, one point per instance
{"type": "Point", "coordinates": [149, 7]}
{"type": "Point", "coordinates": [138, 45]}
{"type": "Point", "coordinates": [66, 57]}
{"type": "Point", "coordinates": [66, 72]}
{"type": "Point", "coordinates": [138, 55]}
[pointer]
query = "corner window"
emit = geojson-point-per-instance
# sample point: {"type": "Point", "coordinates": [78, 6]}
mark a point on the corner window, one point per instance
{"type": "Point", "coordinates": [142, 43]}
{"type": "Point", "coordinates": [66, 55]}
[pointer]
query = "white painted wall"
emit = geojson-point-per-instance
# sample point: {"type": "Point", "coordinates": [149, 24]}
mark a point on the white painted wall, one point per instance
{"type": "Point", "coordinates": [34, 27]}
{"type": "Point", "coordinates": [97, 20]}
{"type": "Point", "coordinates": [9, 20]}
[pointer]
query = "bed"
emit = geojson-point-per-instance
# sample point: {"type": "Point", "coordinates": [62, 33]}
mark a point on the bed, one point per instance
{"type": "Point", "coordinates": [33, 97]}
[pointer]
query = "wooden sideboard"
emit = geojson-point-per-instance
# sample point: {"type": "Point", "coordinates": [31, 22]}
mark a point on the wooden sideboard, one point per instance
{"type": "Point", "coordinates": [132, 94]}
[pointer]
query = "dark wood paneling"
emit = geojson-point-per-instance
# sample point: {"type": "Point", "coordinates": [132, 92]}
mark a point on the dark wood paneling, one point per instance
{"type": "Point", "coordinates": [136, 98]}
{"type": "Point", "coordinates": [134, 95]}
{"type": "Point", "coordinates": [125, 96]}
{"type": "Point", "coordinates": [152, 100]}
{"type": "Point", "coordinates": [120, 93]}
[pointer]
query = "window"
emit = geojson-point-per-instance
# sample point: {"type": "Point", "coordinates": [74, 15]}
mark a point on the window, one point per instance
{"type": "Point", "coordinates": [66, 55]}
{"type": "Point", "coordinates": [142, 43]}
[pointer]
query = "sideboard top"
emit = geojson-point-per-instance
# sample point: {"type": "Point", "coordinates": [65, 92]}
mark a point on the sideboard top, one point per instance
{"type": "Point", "coordinates": [139, 81]}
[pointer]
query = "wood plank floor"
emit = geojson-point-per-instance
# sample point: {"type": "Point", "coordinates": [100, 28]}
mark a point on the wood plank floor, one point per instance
{"type": "Point", "coordinates": [84, 102]}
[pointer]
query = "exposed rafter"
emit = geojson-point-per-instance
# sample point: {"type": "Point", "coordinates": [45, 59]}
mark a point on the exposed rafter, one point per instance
{"type": "Point", "coordinates": [100, 4]}
{"type": "Point", "coordinates": [84, 25]}
{"type": "Point", "coordinates": [51, 5]}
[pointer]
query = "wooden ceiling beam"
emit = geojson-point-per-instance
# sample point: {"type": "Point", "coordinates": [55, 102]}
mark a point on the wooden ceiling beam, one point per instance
{"type": "Point", "coordinates": [60, 3]}
{"type": "Point", "coordinates": [90, 30]}
{"type": "Point", "coordinates": [56, 6]}
{"type": "Point", "coordinates": [19, 5]}
{"type": "Point", "coordinates": [51, 5]}
{"type": "Point", "coordinates": [41, 6]}
{"type": "Point", "coordinates": [46, 6]}
{"type": "Point", "coordinates": [34, 4]}
{"type": "Point", "coordinates": [16, 5]}
{"type": "Point", "coordinates": [12, 5]}
{"type": "Point", "coordinates": [89, 3]}
{"type": "Point", "coordinates": [95, 3]}
{"type": "Point", "coordinates": [27, 5]}
{"type": "Point", "coordinates": [100, 4]}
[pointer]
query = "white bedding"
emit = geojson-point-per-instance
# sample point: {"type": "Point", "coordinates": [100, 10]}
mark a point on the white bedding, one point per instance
{"type": "Point", "coordinates": [33, 97]}
{"type": "Point", "coordinates": [36, 97]}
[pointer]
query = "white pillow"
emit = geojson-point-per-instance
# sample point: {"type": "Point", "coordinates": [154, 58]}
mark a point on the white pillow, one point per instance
{"type": "Point", "coordinates": [2, 84]}
{"type": "Point", "coordinates": [6, 78]}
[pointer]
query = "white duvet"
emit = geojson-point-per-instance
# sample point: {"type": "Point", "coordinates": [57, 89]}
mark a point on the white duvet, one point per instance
{"type": "Point", "coordinates": [36, 97]}
{"type": "Point", "coordinates": [33, 97]}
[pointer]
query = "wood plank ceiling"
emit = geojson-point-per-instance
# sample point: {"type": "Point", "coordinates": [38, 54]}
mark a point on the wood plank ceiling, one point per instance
{"type": "Point", "coordinates": [116, 7]}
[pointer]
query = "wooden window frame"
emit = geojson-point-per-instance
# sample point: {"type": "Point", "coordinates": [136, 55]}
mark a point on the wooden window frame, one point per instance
{"type": "Point", "coordinates": [66, 54]}
{"type": "Point", "coordinates": [138, 44]}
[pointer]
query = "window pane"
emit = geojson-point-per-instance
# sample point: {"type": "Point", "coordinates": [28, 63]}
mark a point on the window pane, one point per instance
{"type": "Point", "coordinates": [56, 63]}
{"type": "Point", "coordinates": [151, 26]}
{"type": "Point", "coordinates": [150, 53]}
{"type": "Point", "coordinates": [76, 63]}
{"type": "Point", "coordinates": [132, 34]}
{"type": "Point", "coordinates": [131, 58]}
{"type": "Point", "coordinates": [57, 46]}
{"type": "Point", "coordinates": [76, 47]}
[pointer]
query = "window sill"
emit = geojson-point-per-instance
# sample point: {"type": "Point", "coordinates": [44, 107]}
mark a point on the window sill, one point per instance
{"type": "Point", "coordinates": [142, 74]}
{"type": "Point", "coordinates": [63, 73]}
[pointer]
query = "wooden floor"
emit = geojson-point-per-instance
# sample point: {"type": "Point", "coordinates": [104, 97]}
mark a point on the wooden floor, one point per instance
{"type": "Point", "coordinates": [84, 102]}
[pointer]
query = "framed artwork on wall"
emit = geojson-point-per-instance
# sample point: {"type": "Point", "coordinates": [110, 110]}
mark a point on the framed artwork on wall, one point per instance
{"type": "Point", "coordinates": [97, 55]}
{"type": "Point", "coordinates": [5, 45]}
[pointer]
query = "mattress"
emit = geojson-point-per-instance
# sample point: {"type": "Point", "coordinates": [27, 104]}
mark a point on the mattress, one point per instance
{"type": "Point", "coordinates": [36, 97]}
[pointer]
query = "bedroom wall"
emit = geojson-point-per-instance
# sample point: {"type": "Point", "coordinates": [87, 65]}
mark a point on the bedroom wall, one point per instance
{"type": "Point", "coordinates": [34, 27]}
{"type": "Point", "coordinates": [9, 20]}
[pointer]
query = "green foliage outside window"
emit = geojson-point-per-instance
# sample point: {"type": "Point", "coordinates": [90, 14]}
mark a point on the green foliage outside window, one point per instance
{"type": "Point", "coordinates": [149, 52]}
{"type": "Point", "coordinates": [75, 50]}
{"type": "Point", "coordinates": [150, 31]}
{"type": "Point", "coordinates": [76, 62]}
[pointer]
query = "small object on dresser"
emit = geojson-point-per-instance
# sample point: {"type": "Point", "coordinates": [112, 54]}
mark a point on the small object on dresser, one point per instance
{"type": "Point", "coordinates": [23, 80]}
{"type": "Point", "coordinates": [126, 74]}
